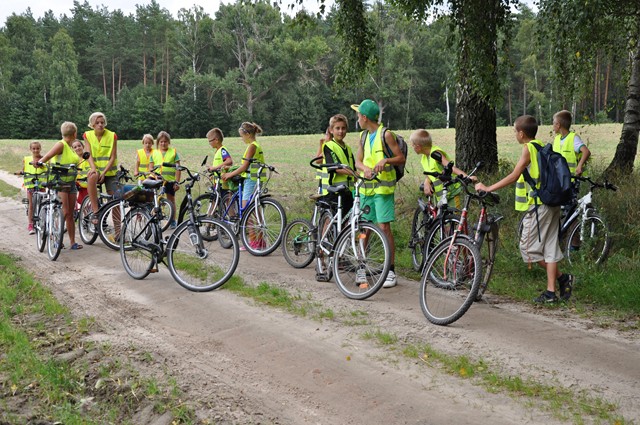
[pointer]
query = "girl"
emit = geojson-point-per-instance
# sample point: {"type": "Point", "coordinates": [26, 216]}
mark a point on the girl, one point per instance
{"type": "Point", "coordinates": [171, 175]}
{"type": "Point", "coordinates": [64, 155]}
{"type": "Point", "coordinates": [145, 157]}
{"type": "Point", "coordinates": [83, 169]}
{"type": "Point", "coordinates": [29, 171]}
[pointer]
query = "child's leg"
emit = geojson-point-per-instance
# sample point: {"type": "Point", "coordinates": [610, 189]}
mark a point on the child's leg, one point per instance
{"type": "Point", "coordinates": [30, 209]}
{"type": "Point", "coordinates": [68, 203]}
{"type": "Point", "coordinates": [553, 273]}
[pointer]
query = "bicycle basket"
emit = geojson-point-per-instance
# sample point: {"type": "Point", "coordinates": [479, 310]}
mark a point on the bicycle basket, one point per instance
{"type": "Point", "coordinates": [134, 193]}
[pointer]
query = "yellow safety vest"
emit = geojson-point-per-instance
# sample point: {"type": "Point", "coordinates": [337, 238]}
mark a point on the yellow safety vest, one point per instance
{"type": "Point", "coordinates": [565, 148]}
{"type": "Point", "coordinates": [431, 165]}
{"type": "Point", "coordinates": [83, 169]}
{"type": "Point", "coordinates": [67, 157]}
{"type": "Point", "coordinates": [30, 171]}
{"type": "Point", "coordinates": [101, 151]}
{"type": "Point", "coordinates": [144, 160]}
{"type": "Point", "coordinates": [168, 173]}
{"type": "Point", "coordinates": [343, 158]}
{"type": "Point", "coordinates": [252, 173]}
{"type": "Point", "coordinates": [373, 155]}
{"type": "Point", "coordinates": [523, 190]}
{"type": "Point", "coordinates": [218, 161]}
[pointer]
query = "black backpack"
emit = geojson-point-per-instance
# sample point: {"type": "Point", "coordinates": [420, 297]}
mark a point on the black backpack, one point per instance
{"type": "Point", "coordinates": [400, 169]}
{"type": "Point", "coordinates": [555, 178]}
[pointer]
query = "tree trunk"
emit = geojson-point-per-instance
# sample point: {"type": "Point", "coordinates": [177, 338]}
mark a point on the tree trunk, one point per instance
{"type": "Point", "coordinates": [166, 94]}
{"type": "Point", "coordinates": [144, 69]}
{"type": "Point", "coordinates": [627, 149]}
{"type": "Point", "coordinates": [475, 133]}
{"type": "Point", "coordinates": [104, 80]}
{"type": "Point", "coordinates": [606, 84]}
{"type": "Point", "coordinates": [113, 82]}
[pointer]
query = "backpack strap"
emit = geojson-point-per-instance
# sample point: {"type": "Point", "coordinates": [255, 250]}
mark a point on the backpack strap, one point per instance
{"type": "Point", "coordinates": [385, 146]}
{"type": "Point", "coordinates": [534, 192]}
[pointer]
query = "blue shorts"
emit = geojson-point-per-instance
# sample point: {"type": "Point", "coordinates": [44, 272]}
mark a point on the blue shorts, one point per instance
{"type": "Point", "coordinates": [382, 208]}
{"type": "Point", "coordinates": [248, 186]}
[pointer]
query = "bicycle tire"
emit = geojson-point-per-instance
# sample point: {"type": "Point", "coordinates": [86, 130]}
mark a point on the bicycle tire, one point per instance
{"type": "Point", "coordinates": [108, 227]}
{"type": "Point", "coordinates": [56, 232]}
{"type": "Point", "coordinates": [450, 281]}
{"type": "Point", "coordinates": [435, 235]}
{"type": "Point", "coordinates": [136, 244]}
{"type": "Point", "coordinates": [198, 264]}
{"type": "Point", "coordinates": [229, 214]}
{"type": "Point", "coordinates": [168, 211]}
{"type": "Point", "coordinates": [324, 270]}
{"type": "Point", "coordinates": [262, 227]}
{"type": "Point", "coordinates": [351, 256]}
{"type": "Point", "coordinates": [86, 228]}
{"type": "Point", "coordinates": [591, 246]}
{"type": "Point", "coordinates": [208, 205]}
{"type": "Point", "coordinates": [488, 251]}
{"type": "Point", "coordinates": [299, 243]}
{"type": "Point", "coordinates": [419, 229]}
{"type": "Point", "coordinates": [41, 226]}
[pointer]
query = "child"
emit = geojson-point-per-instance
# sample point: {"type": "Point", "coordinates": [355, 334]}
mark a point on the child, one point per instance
{"type": "Point", "coordinates": [423, 145]}
{"type": "Point", "coordinates": [83, 169]}
{"type": "Point", "coordinates": [145, 157]}
{"type": "Point", "coordinates": [336, 151]}
{"type": "Point", "coordinates": [29, 171]}
{"type": "Point", "coordinates": [171, 175]}
{"type": "Point", "coordinates": [249, 171]}
{"type": "Point", "coordinates": [569, 143]}
{"type": "Point", "coordinates": [64, 155]}
{"type": "Point", "coordinates": [545, 249]}
{"type": "Point", "coordinates": [221, 158]}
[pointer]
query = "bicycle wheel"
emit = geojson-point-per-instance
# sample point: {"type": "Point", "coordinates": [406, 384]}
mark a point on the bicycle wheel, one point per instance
{"type": "Point", "coordinates": [229, 214]}
{"type": "Point", "coordinates": [419, 228]}
{"type": "Point", "coordinates": [588, 241]}
{"type": "Point", "coordinates": [56, 232]}
{"type": "Point", "coordinates": [437, 233]}
{"type": "Point", "coordinates": [139, 239]}
{"type": "Point", "coordinates": [85, 226]}
{"type": "Point", "coordinates": [299, 243]}
{"type": "Point", "coordinates": [327, 236]}
{"type": "Point", "coordinates": [208, 205]}
{"type": "Point", "coordinates": [199, 264]}
{"type": "Point", "coordinates": [488, 251]}
{"type": "Point", "coordinates": [361, 261]}
{"type": "Point", "coordinates": [109, 223]}
{"type": "Point", "coordinates": [168, 211]}
{"type": "Point", "coordinates": [262, 227]}
{"type": "Point", "coordinates": [41, 226]}
{"type": "Point", "coordinates": [450, 281]}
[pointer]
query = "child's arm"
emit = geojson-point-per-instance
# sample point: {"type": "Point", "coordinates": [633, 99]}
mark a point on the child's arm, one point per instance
{"type": "Point", "coordinates": [55, 150]}
{"type": "Point", "coordinates": [178, 172]}
{"type": "Point", "coordinates": [137, 166]}
{"type": "Point", "coordinates": [523, 162]}
{"type": "Point", "coordinates": [586, 153]}
{"type": "Point", "coordinates": [244, 166]}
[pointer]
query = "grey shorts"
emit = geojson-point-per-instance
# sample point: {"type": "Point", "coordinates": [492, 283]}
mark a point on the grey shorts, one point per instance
{"type": "Point", "coordinates": [547, 248]}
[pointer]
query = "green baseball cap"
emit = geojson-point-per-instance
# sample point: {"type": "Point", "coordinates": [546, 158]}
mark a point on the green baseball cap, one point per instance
{"type": "Point", "coordinates": [368, 108]}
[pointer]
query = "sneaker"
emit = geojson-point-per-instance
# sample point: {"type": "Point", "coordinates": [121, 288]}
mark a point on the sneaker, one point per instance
{"type": "Point", "coordinates": [30, 229]}
{"type": "Point", "coordinates": [172, 224]}
{"type": "Point", "coordinates": [361, 279]}
{"type": "Point", "coordinates": [545, 298]}
{"type": "Point", "coordinates": [257, 244]}
{"type": "Point", "coordinates": [391, 280]}
{"type": "Point", "coordinates": [567, 287]}
{"type": "Point", "coordinates": [242, 248]}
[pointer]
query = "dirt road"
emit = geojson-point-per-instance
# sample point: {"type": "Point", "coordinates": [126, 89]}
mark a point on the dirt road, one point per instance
{"type": "Point", "coordinates": [253, 364]}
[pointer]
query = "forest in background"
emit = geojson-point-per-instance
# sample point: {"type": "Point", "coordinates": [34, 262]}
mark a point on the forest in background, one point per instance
{"type": "Point", "coordinates": [152, 71]}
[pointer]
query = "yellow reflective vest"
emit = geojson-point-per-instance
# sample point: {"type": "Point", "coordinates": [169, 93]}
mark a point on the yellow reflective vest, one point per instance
{"type": "Point", "coordinates": [431, 165]}
{"type": "Point", "coordinates": [144, 160]}
{"type": "Point", "coordinates": [344, 158]}
{"type": "Point", "coordinates": [101, 151]}
{"type": "Point", "coordinates": [523, 191]}
{"type": "Point", "coordinates": [67, 157]}
{"type": "Point", "coordinates": [565, 148]}
{"type": "Point", "coordinates": [252, 173]}
{"type": "Point", "coordinates": [374, 153]}
{"type": "Point", "coordinates": [168, 173]}
{"type": "Point", "coordinates": [30, 171]}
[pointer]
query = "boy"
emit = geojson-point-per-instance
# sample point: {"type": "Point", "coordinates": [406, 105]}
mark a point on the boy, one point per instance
{"type": "Point", "coordinates": [569, 144]}
{"type": "Point", "coordinates": [371, 161]}
{"type": "Point", "coordinates": [544, 250]}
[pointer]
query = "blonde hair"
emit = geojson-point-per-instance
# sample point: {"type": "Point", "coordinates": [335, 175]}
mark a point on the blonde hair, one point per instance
{"type": "Point", "coordinates": [338, 118]}
{"type": "Point", "coordinates": [217, 133]}
{"type": "Point", "coordinates": [161, 135]}
{"type": "Point", "coordinates": [148, 136]}
{"type": "Point", "coordinates": [251, 128]}
{"type": "Point", "coordinates": [93, 117]}
{"type": "Point", "coordinates": [35, 142]}
{"type": "Point", "coordinates": [421, 137]}
{"type": "Point", "coordinates": [68, 129]}
{"type": "Point", "coordinates": [564, 119]}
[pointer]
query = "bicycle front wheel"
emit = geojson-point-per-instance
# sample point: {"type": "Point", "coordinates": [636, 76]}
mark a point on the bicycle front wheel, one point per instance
{"type": "Point", "coordinates": [361, 261]}
{"type": "Point", "coordinates": [208, 205]}
{"type": "Point", "coordinates": [488, 253]}
{"type": "Point", "coordinates": [450, 281]}
{"type": "Point", "coordinates": [56, 232]}
{"type": "Point", "coordinates": [299, 243]}
{"type": "Point", "coordinates": [588, 241]}
{"type": "Point", "coordinates": [419, 228]}
{"type": "Point", "coordinates": [168, 212]}
{"type": "Point", "coordinates": [197, 263]}
{"type": "Point", "coordinates": [86, 228]}
{"type": "Point", "coordinates": [109, 223]}
{"type": "Point", "coordinates": [138, 241]}
{"type": "Point", "coordinates": [439, 231]}
{"type": "Point", "coordinates": [263, 226]}
{"type": "Point", "coordinates": [41, 226]}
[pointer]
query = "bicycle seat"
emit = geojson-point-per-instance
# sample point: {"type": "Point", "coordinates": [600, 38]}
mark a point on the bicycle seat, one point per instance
{"type": "Point", "coordinates": [338, 188]}
{"type": "Point", "coordinates": [152, 184]}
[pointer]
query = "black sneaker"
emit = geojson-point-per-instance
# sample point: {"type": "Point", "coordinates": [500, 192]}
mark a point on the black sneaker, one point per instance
{"type": "Point", "coordinates": [545, 298]}
{"type": "Point", "coordinates": [567, 287]}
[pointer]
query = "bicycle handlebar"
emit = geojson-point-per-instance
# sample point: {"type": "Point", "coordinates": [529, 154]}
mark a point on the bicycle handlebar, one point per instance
{"type": "Point", "coordinates": [605, 185]}
{"type": "Point", "coordinates": [261, 164]}
{"type": "Point", "coordinates": [334, 166]}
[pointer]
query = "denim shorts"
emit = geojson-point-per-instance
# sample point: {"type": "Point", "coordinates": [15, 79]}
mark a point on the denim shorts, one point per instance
{"type": "Point", "coordinates": [248, 186]}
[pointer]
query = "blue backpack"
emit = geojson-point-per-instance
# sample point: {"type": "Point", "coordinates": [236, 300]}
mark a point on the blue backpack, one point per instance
{"type": "Point", "coordinates": [555, 178]}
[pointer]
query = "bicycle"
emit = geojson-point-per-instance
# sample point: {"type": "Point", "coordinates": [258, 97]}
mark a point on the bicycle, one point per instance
{"type": "Point", "coordinates": [195, 259]}
{"type": "Point", "coordinates": [584, 235]}
{"type": "Point", "coordinates": [458, 270]}
{"type": "Point", "coordinates": [261, 222]}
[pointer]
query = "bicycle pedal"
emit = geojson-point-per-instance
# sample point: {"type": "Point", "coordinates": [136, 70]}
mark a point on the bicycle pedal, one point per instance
{"type": "Point", "coordinates": [321, 277]}
{"type": "Point", "coordinates": [154, 270]}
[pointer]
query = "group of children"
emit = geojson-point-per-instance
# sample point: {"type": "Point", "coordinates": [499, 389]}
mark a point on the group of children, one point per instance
{"type": "Point", "coordinates": [100, 167]}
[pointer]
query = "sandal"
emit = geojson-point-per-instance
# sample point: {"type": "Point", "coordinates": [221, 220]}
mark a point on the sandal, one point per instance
{"type": "Point", "coordinates": [76, 246]}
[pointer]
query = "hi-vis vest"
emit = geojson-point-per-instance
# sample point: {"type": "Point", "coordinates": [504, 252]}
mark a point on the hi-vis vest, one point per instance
{"type": "Point", "coordinates": [565, 148]}
{"type": "Point", "coordinates": [168, 173]}
{"type": "Point", "coordinates": [431, 165]}
{"type": "Point", "coordinates": [67, 157]}
{"type": "Point", "coordinates": [101, 150]}
{"type": "Point", "coordinates": [523, 198]}
{"type": "Point", "coordinates": [144, 160]}
{"type": "Point", "coordinates": [252, 173]}
{"type": "Point", "coordinates": [30, 171]}
{"type": "Point", "coordinates": [83, 169]}
{"type": "Point", "coordinates": [218, 161]}
{"type": "Point", "coordinates": [373, 155]}
{"type": "Point", "coordinates": [343, 158]}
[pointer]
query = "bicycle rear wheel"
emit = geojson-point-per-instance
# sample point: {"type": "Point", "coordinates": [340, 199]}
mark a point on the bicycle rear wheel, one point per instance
{"type": "Point", "coordinates": [299, 243]}
{"type": "Point", "coordinates": [199, 264]}
{"type": "Point", "coordinates": [86, 228]}
{"type": "Point", "coordinates": [168, 211]}
{"type": "Point", "coordinates": [327, 236]}
{"type": "Point", "coordinates": [361, 261]}
{"type": "Point", "coordinates": [450, 281]}
{"type": "Point", "coordinates": [137, 244]}
{"type": "Point", "coordinates": [419, 230]}
{"type": "Point", "coordinates": [588, 241]}
{"type": "Point", "coordinates": [229, 214]}
{"type": "Point", "coordinates": [41, 226]}
{"type": "Point", "coordinates": [56, 232]}
{"type": "Point", "coordinates": [262, 227]}
{"type": "Point", "coordinates": [207, 205]}
{"type": "Point", "coordinates": [488, 253]}
{"type": "Point", "coordinates": [109, 223]}
{"type": "Point", "coordinates": [437, 233]}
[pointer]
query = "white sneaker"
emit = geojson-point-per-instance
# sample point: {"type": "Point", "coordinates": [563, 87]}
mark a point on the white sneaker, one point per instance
{"type": "Point", "coordinates": [361, 276]}
{"type": "Point", "coordinates": [391, 280]}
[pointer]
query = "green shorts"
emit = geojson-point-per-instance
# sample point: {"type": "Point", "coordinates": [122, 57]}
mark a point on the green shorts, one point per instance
{"type": "Point", "coordinates": [382, 208]}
